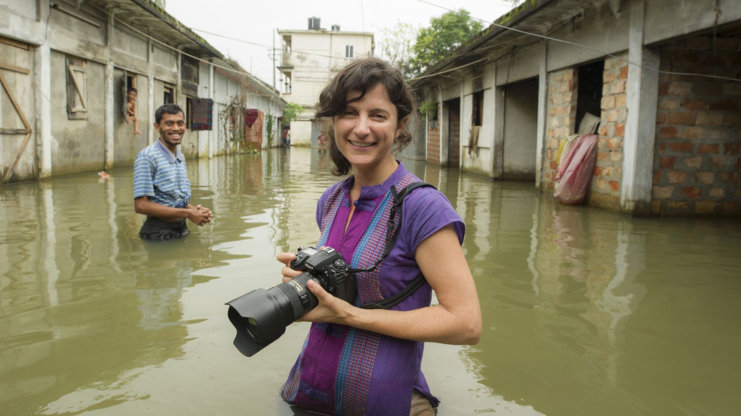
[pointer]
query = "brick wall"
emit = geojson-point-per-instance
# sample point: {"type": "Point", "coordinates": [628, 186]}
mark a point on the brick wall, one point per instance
{"type": "Point", "coordinates": [608, 170]}
{"type": "Point", "coordinates": [698, 129]}
{"type": "Point", "coordinates": [561, 119]}
{"type": "Point", "coordinates": [433, 141]}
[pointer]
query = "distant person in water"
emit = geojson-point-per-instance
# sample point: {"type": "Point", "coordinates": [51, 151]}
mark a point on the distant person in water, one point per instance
{"type": "Point", "coordinates": [161, 185]}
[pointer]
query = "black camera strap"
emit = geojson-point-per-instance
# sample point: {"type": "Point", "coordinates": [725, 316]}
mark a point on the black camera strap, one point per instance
{"type": "Point", "coordinates": [392, 234]}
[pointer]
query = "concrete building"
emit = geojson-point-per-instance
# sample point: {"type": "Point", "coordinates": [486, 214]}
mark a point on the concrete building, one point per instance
{"type": "Point", "coordinates": [309, 59]}
{"type": "Point", "coordinates": [66, 67]}
{"type": "Point", "coordinates": [664, 78]}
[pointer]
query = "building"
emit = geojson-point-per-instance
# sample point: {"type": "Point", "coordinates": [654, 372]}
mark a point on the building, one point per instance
{"type": "Point", "coordinates": [309, 59]}
{"type": "Point", "coordinates": [66, 68]}
{"type": "Point", "coordinates": [663, 77]}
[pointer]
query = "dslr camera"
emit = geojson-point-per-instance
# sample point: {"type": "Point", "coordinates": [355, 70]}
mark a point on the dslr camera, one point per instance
{"type": "Point", "coordinates": [261, 316]}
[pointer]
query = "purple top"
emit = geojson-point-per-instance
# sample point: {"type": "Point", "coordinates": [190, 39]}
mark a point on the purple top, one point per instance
{"type": "Point", "coordinates": [347, 371]}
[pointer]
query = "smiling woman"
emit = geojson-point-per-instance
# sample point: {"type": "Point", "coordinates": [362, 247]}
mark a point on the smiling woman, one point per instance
{"type": "Point", "coordinates": [359, 360]}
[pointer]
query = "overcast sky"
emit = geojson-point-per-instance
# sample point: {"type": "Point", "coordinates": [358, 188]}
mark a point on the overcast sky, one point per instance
{"type": "Point", "coordinates": [244, 30]}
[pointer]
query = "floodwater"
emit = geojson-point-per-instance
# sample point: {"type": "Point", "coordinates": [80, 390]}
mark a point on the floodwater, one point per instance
{"type": "Point", "coordinates": [586, 312]}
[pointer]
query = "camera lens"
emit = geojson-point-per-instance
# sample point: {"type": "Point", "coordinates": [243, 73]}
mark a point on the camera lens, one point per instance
{"type": "Point", "coordinates": [261, 316]}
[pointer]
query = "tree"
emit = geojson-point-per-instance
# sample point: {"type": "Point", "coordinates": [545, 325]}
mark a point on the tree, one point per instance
{"type": "Point", "coordinates": [396, 45]}
{"type": "Point", "coordinates": [291, 112]}
{"type": "Point", "coordinates": [445, 34]}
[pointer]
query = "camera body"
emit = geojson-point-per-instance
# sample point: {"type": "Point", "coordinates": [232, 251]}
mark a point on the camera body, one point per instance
{"type": "Point", "coordinates": [328, 268]}
{"type": "Point", "coordinates": [261, 316]}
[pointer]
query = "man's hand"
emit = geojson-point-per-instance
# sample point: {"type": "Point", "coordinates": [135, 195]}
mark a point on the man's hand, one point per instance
{"type": "Point", "coordinates": [199, 215]}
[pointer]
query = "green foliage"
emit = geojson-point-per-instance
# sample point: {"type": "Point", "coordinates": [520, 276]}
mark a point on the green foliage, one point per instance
{"type": "Point", "coordinates": [396, 45]}
{"type": "Point", "coordinates": [428, 109]}
{"type": "Point", "coordinates": [445, 34]}
{"type": "Point", "coordinates": [291, 112]}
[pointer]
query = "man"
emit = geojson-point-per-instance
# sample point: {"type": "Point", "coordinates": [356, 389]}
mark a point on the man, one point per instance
{"type": "Point", "coordinates": [161, 185]}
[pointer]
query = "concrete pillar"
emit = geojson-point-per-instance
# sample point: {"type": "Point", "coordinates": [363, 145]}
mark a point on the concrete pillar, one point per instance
{"type": "Point", "coordinates": [542, 112]}
{"type": "Point", "coordinates": [497, 149]}
{"type": "Point", "coordinates": [150, 94]}
{"type": "Point", "coordinates": [212, 136]}
{"type": "Point", "coordinates": [640, 125]}
{"type": "Point", "coordinates": [110, 118]}
{"type": "Point", "coordinates": [43, 108]}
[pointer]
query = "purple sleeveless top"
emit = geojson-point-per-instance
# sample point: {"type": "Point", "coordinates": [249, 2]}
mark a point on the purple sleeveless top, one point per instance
{"type": "Point", "coordinates": [346, 371]}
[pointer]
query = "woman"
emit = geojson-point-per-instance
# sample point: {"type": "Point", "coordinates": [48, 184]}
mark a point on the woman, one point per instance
{"type": "Point", "coordinates": [360, 361]}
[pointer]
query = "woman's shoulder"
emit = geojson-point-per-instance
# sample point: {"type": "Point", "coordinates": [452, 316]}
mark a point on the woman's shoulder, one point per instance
{"type": "Point", "coordinates": [426, 210]}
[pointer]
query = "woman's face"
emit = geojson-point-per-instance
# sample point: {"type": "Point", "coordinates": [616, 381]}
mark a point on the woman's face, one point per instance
{"type": "Point", "coordinates": [366, 130]}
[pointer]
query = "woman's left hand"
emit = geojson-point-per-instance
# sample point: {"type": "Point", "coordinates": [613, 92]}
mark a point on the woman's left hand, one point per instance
{"type": "Point", "coordinates": [329, 309]}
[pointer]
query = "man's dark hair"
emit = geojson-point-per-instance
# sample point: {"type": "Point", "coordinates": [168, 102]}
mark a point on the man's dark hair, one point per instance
{"type": "Point", "coordinates": [362, 75]}
{"type": "Point", "coordinates": [131, 89]}
{"type": "Point", "coordinates": [166, 109]}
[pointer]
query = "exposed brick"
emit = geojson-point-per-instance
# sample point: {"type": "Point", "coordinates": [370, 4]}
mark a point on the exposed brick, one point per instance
{"type": "Point", "coordinates": [663, 192]}
{"type": "Point", "coordinates": [717, 193]}
{"type": "Point", "coordinates": [614, 186]}
{"type": "Point", "coordinates": [667, 162]}
{"type": "Point", "coordinates": [623, 72]}
{"type": "Point", "coordinates": [686, 118]}
{"type": "Point", "coordinates": [668, 132]}
{"type": "Point", "coordinates": [708, 148]}
{"type": "Point", "coordinates": [692, 191]}
{"type": "Point", "coordinates": [732, 149]}
{"type": "Point", "coordinates": [613, 143]}
{"type": "Point", "coordinates": [616, 157]}
{"type": "Point", "coordinates": [677, 207]}
{"type": "Point", "coordinates": [705, 118]}
{"type": "Point", "coordinates": [657, 177]}
{"type": "Point", "coordinates": [729, 177]}
{"type": "Point", "coordinates": [608, 102]}
{"type": "Point", "coordinates": [694, 104]}
{"type": "Point", "coordinates": [680, 88]}
{"type": "Point", "coordinates": [692, 162]}
{"type": "Point", "coordinates": [705, 178]}
{"type": "Point", "coordinates": [693, 133]}
{"type": "Point", "coordinates": [676, 177]}
{"type": "Point", "coordinates": [681, 147]}
{"type": "Point", "coordinates": [668, 103]}
{"type": "Point", "coordinates": [617, 87]}
{"type": "Point", "coordinates": [728, 104]}
{"type": "Point", "coordinates": [706, 207]}
{"type": "Point", "coordinates": [620, 130]}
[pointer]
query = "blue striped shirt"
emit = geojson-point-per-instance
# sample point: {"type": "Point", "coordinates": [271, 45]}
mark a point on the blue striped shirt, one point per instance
{"type": "Point", "coordinates": [161, 176]}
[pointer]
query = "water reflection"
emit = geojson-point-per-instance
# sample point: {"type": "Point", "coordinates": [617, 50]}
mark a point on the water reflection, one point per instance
{"type": "Point", "coordinates": [585, 311]}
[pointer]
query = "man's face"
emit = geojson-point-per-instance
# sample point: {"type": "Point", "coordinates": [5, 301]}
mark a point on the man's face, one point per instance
{"type": "Point", "coordinates": [171, 128]}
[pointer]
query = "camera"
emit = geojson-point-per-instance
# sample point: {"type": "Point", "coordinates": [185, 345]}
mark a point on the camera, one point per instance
{"type": "Point", "coordinates": [261, 316]}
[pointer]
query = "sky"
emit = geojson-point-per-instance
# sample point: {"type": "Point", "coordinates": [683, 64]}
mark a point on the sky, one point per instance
{"type": "Point", "coordinates": [245, 30]}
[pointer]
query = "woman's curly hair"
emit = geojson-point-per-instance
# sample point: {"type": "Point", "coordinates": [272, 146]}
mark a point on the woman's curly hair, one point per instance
{"type": "Point", "coordinates": [362, 75]}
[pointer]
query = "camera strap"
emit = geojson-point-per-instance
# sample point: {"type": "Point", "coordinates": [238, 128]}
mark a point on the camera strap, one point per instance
{"type": "Point", "coordinates": [392, 234]}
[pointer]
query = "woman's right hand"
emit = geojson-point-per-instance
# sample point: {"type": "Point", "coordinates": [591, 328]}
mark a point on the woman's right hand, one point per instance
{"type": "Point", "coordinates": [288, 272]}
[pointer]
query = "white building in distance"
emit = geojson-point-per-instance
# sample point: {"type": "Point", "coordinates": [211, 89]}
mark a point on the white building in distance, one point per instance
{"type": "Point", "coordinates": [310, 58]}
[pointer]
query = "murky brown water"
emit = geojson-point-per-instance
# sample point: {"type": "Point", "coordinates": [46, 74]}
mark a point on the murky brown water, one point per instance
{"type": "Point", "coordinates": [586, 312]}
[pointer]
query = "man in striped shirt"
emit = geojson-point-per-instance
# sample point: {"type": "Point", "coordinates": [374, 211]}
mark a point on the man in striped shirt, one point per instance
{"type": "Point", "coordinates": [161, 185]}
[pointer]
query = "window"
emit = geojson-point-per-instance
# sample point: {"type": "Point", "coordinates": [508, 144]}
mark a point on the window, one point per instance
{"type": "Point", "coordinates": [128, 86]}
{"type": "Point", "coordinates": [76, 89]}
{"type": "Point", "coordinates": [348, 51]}
{"type": "Point", "coordinates": [589, 97]}
{"type": "Point", "coordinates": [169, 95]}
